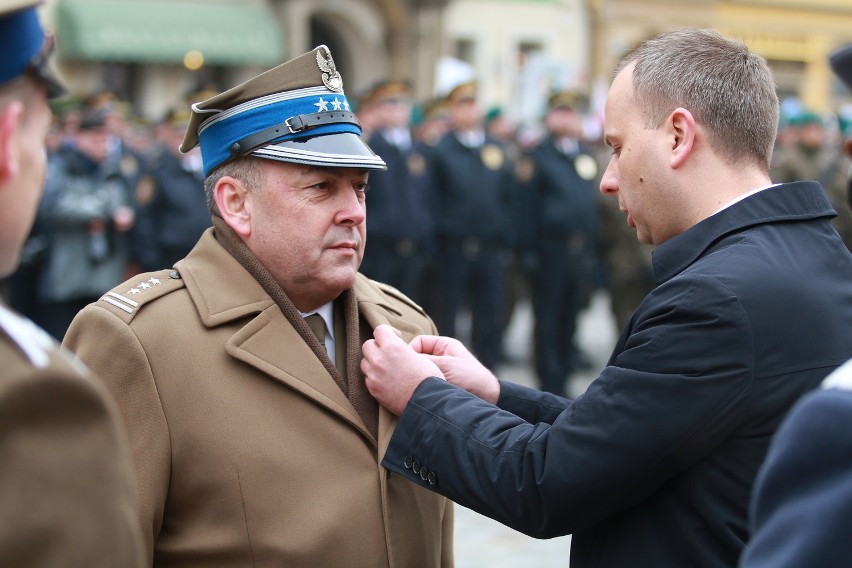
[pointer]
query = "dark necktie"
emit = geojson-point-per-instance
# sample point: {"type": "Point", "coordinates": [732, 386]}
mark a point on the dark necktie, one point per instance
{"type": "Point", "coordinates": [317, 325]}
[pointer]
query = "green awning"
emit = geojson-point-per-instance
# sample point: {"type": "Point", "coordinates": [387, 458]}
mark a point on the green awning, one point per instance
{"type": "Point", "coordinates": [164, 32]}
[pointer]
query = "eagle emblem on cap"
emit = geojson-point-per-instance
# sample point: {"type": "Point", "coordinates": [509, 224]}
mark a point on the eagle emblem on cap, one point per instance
{"type": "Point", "coordinates": [330, 76]}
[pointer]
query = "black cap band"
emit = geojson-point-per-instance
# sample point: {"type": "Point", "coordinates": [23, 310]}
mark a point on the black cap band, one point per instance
{"type": "Point", "coordinates": [292, 125]}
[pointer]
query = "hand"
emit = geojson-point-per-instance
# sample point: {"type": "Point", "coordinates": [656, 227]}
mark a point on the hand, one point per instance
{"type": "Point", "coordinates": [459, 366]}
{"type": "Point", "coordinates": [392, 369]}
{"type": "Point", "coordinates": [123, 218]}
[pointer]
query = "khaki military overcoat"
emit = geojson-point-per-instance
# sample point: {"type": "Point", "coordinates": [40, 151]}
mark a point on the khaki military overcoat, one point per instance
{"type": "Point", "coordinates": [67, 490]}
{"type": "Point", "coordinates": [246, 450]}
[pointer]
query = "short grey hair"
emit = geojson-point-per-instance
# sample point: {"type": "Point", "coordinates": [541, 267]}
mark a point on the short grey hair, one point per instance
{"type": "Point", "coordinates": [729, 90]}
{"type": "Point", "coordinates": [246, 169]}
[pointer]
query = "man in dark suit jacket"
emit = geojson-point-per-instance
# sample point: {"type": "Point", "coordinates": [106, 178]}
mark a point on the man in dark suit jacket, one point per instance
{"type": "Point", "coordinates": [654, 465]}
{"type": "Point", "coordinates": [67, 490]}
{"type": "Point", "coordinates": [802, 502]}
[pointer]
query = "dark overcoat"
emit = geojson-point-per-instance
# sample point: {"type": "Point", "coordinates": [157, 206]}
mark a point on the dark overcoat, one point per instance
{"type": "Point", "coordinates": [654, 465]}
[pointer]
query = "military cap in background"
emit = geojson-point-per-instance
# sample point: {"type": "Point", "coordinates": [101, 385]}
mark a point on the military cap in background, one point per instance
{"type": "Point", "coordinates": [805, 118]}
{"type": "Point", "coordinates": [296, 112]}
{"type": "Point", "coordinates": [24, 47]}
{"type": "Point", "coordinates": [570, 100]}
{"type": "Point", "coordinates": [93, 119]}
{"type": "Point", "coordinates": [841, 63]}
{"type": "Point", "coordinates": [493, 114]}
{"type": "Point", "coordinates": [391, 90]}
{"type": "Point", "coordinates": [465, 92]}
{"type": "Point", "coordinates": [177, 117]}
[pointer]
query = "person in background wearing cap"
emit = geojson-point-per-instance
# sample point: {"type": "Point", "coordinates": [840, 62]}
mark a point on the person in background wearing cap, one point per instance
{"type": "Point", "coordinates": [802, 502]}
{"type": "Point", "coordinates": [431, 121]}
{"type": "Point", "coordinates": [653, 465]}
{"type": "Point", "coordinates": [814, 156]}
{"type": "Point", "coordinates": [561, 186]}
{"type": "Point", "coordinates": [172, 214]}
{"type": "Point", "coordinates": [67, 494]}
{"type": "Point", "coordinates": [401, 230]}
{"type": "Point", "coordinates": [237, 372]}
{"type": "Point", "coordinates": [475, 196]}
{"type": "Point", "coordinates": [88, 212]}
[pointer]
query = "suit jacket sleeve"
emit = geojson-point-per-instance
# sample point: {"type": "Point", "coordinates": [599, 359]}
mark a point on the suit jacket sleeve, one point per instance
{"type": "Point", "coordinates": [109, 347]}
{"type": "Point", "coordinates": [676, 388]}
{"type": "Point", "coordinates": [66, 486]}
{"type": "Point", "coordinates": [802, 502]}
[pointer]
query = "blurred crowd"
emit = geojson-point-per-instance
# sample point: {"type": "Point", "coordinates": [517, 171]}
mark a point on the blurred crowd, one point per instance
{"type": "Point", "coordinates": [474, 214]}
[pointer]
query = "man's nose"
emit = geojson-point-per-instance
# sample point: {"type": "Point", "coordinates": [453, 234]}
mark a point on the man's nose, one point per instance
{"type": "Point", "coordinates": [609, 181]}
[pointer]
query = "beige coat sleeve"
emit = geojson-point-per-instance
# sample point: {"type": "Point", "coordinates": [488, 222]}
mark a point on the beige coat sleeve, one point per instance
{"type": "Point", "coordinates": [67, 492]}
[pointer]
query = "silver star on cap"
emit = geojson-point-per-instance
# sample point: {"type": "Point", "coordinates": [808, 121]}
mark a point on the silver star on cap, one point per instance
{"type": "Point", "coordinates": [154, 281]}
{"type": "Point", "coordinates": [144, 285]}
{"type": "Point", "coordinates": [321, 105]}
{"type": "Point", "coordinates": [134, 291]}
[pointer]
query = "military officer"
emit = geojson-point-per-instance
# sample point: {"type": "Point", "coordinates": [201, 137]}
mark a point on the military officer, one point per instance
{"type": "Point", "coordinates": [399, 200]}
{"type": "Point", "coordinates": [475, 197]}
{"type": "Point", "coordinates": [563, 196]}
{"type": "Point", "coordinates": [67, 492]}
{"type": "Point", "coordinates": [237, 372]}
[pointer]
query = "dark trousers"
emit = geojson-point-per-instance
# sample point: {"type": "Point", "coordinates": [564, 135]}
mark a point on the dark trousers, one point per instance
{"type": "Point", "coordinates": [561, 290]}
{"type": "Point", "coordinates": [474, 274]}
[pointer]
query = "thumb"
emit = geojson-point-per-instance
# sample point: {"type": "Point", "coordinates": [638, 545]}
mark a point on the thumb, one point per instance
{"type": "Point", "coordinates": [385, 334]}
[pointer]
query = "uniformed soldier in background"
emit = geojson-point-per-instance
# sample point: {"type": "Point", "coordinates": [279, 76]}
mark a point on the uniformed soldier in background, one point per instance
{"type": "Point", "coordinates": [399, 203]}
{"type": "Point", "coordinates": [67, 495]}
{"type": "Point", "coordinates": [562, 191]}
{"type": "Point", "coordinates": [431, 121]}
{"type": "Point", "coordinates": [238, 372]}
{"type": "Point", "coordinates": [475, 203]}
{"type": "Point", "coordinates": [172, 213]}
{"type": "Point", "coordinates": [817, 155]}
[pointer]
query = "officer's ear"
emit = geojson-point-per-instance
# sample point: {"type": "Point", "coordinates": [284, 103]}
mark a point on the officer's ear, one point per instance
{"type": "Point", "coordinates": [10, 120]}
{"type": "Point", "coordinates": [234, 204]}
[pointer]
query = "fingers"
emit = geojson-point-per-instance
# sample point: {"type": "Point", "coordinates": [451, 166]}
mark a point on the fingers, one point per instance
{"type": "Point", "coordinates": [426, 344]}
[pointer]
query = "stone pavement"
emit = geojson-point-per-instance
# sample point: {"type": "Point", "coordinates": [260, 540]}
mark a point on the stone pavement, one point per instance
{"type": "Point", "coordinates": [483, 543]}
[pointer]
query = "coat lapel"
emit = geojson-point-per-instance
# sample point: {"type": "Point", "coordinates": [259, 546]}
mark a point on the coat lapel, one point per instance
{"type": "Point", "coordinates": [267, 341]}
{"type": "Point", "coordinates": [224, 292]}
{"type": "Point", "coordinates": [376, 310]}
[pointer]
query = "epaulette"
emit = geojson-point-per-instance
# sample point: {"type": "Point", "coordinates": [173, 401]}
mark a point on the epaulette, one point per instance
{"type": "Point", "coordinates": [396, 294]}
{"type": "Point", "coordinates": [128, 298]}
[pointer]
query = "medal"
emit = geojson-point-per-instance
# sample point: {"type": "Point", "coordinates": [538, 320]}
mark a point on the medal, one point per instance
{"type": "Point", "coordinates": [586, 167]}
{"type": "Point", "coordinates": [492, 156]}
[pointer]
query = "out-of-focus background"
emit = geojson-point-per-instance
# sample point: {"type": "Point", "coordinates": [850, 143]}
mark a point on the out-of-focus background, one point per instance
{"type": "Point", "coordinates": [134, 66]}
{"type": "Point", "coordinates": [152, 52]}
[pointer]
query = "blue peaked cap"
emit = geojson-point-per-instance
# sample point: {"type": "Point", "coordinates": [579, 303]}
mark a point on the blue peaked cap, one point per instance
{"type": "Point", "coordinates": [21, 38]}
{"type": "Point", "coordinates": [296, 112]}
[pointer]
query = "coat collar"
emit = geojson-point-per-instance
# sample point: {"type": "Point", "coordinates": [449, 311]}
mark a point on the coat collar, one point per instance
{"type": "Point", "coordinates": [796, 201]}
{"type": "Point", "coordinates": [223, 292]}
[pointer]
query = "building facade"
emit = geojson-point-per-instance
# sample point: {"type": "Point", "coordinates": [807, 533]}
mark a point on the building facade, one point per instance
{"type": "Point", "coordinates": [155, 52]}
